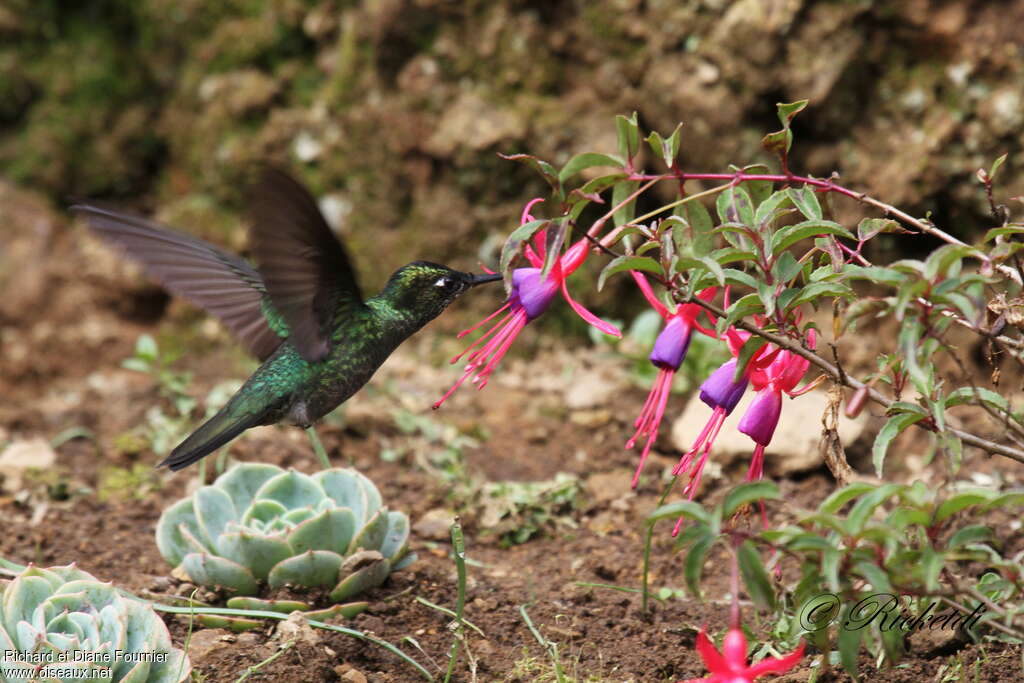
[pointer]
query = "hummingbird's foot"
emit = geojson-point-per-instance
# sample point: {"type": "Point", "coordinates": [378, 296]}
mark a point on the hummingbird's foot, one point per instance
{"type": "Point", "coordinates": [318, 447]}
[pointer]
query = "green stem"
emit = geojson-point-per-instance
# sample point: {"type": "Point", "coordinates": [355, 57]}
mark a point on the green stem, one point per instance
{"type": "Point", "coordinates": [648, 541]}
{"type": "Point", "coordinates": [459, 551]}
{"type": "Point", "coordinates": [550, 647]}
{"type": "Point", "coordinates": [318, 447]}
{"type": "Point", "coordinates": [256, 667]}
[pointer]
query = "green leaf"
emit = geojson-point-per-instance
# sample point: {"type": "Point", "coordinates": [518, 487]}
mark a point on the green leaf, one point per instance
{"type": "Point", "coordinates": [975, 533]}
{"type": "Point", "coordinates": [818, 290]}
{"type": "Point", "coordinates": [546, 170]}
{"type": "Point", "coordinates": [805, 199]}
{"type": "Point", "coordinates": [848, 644]}
{"type": "Point", "coordinates": [961, 501]}
{"type": "Point", "coordinates": [786, 267]}
{"type": "Point", "coordinates": [1013, 229]}
{"type": "Point", "coordinates": [895, 425]}
{"type": "Point", "coordinates": [787, 111]}
{"type": "Point", "coordinates": [665, 148]}
{"type": "Point", "coordinates": [780, 141]}
{"type": "Point", "coordinates": [863, 508]}
{"type": "Point", "coordinates": [771, 208]}
{"type": "Point", "coordinates": [619, 194]}
{"type": "Point", "coordinates": [747, 493]}
{"type": "Point", "coordinates": [869, 227]}
{"type": "Point", "coordinates": [628, 131]}
{"type": "Point", "coordinates": [587, 160]}
{"type": "Point", "coordinates": [755, 576]}
{"type": "Point", "coordinates": [875, 575]}
{"type": "Point", "coordinates": [683, 508]}
{"type": "Point", "coordinates": [996, 165]}
{"type": "Point", "coordinates": [838, 499]}
{"type": "Point", "coordinates": [553, 246]}
{"type": "Point", "coordinates": [621, 263]}
{"type": "Point", "coordinates": [946, 260]}
{"type": "Point", "coordinates": [735, 206]}
{"type": "Point", "coordinates": [758, 189]}
{"type": "Point", "coordinates": [524, 233]}
{"type": "Point", "coordinates": [791, 234]}
{"type": "Point", "coordinates": [931, 566]}
{"type": "Point", "coordinates": [694, 564]}
{"type": "Point", "coordinates": [747, 305]}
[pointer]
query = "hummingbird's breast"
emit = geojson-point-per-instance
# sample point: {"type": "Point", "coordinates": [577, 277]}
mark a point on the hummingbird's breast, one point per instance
{"type": "Point", "coordinates": [357, 350]}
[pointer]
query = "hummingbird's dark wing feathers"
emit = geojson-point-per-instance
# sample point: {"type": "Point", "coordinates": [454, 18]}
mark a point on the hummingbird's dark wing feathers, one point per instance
{"type": "Point", "coordinates": [305, 268]}
{"type": "Point", "coordinates": [219, 282]}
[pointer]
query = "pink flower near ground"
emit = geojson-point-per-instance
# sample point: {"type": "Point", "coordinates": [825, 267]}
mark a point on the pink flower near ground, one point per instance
{"type": "Point", "coordinates": [730, 665]}
{"type": "Point", "coordinates": [530, 297]}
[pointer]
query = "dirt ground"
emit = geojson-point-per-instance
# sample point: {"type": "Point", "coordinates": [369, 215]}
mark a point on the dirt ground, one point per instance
{"type": "Point", "coordinates": [78, 315]}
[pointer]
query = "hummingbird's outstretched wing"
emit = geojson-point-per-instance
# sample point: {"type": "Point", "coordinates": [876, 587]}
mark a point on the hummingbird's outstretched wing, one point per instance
{"type": "Point", "coordinates": [219, 282]}
{"type": "Point", "coordinates": [305, 267]}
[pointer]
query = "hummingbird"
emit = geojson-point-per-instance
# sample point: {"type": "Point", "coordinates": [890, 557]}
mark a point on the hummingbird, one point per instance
{"type": "Point", "coordinates": [301, 313]}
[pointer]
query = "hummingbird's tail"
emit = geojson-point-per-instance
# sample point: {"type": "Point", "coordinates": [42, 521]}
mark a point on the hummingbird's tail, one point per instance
{"type": "Point", "coordinates": [228, 423]}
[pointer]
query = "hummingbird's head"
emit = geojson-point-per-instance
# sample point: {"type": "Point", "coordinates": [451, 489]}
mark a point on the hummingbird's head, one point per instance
{"type": "Point", "coordinates": [425, 289]}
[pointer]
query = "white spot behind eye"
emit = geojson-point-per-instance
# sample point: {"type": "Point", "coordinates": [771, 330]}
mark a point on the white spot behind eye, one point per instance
{"type": "Point", "coordinates": [442, 282]}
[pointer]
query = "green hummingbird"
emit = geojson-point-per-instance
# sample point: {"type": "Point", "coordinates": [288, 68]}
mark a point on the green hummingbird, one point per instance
{"type": "Point", "coordinates": [302, 313]}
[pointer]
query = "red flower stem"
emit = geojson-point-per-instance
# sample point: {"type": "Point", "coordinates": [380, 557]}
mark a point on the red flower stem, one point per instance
{"type": "Point", "coordinates": [598, 225]}
{"type": "Point", "coordinates": [734, 581]}
{"type": "Point", "coordinates": [844, 379]}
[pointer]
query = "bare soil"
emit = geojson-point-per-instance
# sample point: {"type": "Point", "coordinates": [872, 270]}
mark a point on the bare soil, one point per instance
{"type": "Point", "coordinates": [62, 352]}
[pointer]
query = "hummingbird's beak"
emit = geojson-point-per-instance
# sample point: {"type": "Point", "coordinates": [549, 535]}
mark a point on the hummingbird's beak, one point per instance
{"type": "Point", "coordinates": [479, 279]}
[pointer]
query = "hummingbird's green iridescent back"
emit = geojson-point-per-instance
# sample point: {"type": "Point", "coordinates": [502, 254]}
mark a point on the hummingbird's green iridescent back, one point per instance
{"type": "Point", "coordinates": [302, 312]}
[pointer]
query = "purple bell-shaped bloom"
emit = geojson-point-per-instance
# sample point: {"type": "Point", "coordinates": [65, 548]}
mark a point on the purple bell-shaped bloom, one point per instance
{"type": "Point", "coordinates": [720, 390]}
{"type": "Point", "coordinates": [531, 291]}
{"type": "Point", "coordinates": [671, 345]}
{"type": "Point", "coordinates": [762, 417]}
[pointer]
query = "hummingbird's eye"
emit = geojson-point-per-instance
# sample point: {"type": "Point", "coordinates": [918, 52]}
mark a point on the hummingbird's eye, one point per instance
{"type": "Point", "coordinates": [444, 282]}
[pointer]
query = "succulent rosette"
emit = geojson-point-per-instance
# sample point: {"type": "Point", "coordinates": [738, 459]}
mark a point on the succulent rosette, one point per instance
{"type": "Point", "coordinates": [259, 523]}
{"type": "Point", "coordinates": [61, 623]}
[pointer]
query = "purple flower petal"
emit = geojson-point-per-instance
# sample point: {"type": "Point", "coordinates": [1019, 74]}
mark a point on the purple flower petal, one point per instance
{"type": "Point", "coordinates": [532, 292]}
{"type": "Point", "coordinates": [720, 391]}
{"type": "Point", "coordinates": [671, 345]}
{"type": "Point", "coordinates": [762, 417]}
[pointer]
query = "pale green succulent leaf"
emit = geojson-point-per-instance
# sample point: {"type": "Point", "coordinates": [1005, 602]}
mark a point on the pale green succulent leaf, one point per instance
{"type": "Point", "coordinates": [214, 510]}
{"type": "Point", "coordinates": [27, 637]}
{"type": "Point", "coordinates": [311, 568]}
{"type": "Point", "coordinates": [371, 536]}
{"type": "Point", "coordinates": [396, 537]}
{"type": "Point", "coordinates": [283, 606]}
{"type": "Point", "coordinates": [242, 481]}
{"type": "Point", "coordinates": [237, 624]}
{"type": "Point", "coordinates": [258, 554]}
{"type": "Point", "coordinates": [96, 594]}
{"type": "Point", "coordinates": [210, 570]}
{"type": "Point", "coordinates": [21, 597]}
{"type": "Point", "coordinates": [138, 673]}
{"type": "Point", "coordinates": [299, 515]}
{"type": "Point", "coordinates": [264, 512]}
{"type": "Point", "coordinates": [169, 539]}
{"type": "Point", "coordinates": [331, 530]}
{"type": "Point", "coordinates": [406, 559]}
{"type": "Point", "coordinates": [347, 610]}
{"type": "Point", "coordinates": [361, 580]}
{"type": "Point", "coordinates": [173, 669]}
{"type": "Point", "coordinates": [292, 489]}
{"type": "Point", "coordinates": [347, 491]}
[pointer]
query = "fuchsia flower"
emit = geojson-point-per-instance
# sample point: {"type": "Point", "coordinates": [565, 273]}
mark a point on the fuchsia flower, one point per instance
{"type": "Point", "coordinates": [730, 666]}
{"type": "Point", "coordinates": [667, 355]}
{"type": "Point", "coordinates": [770, 381]}
{"type": "Point", "coordinates": [531, 295]}
{"type": "Point", "coordinates": [771, 371]}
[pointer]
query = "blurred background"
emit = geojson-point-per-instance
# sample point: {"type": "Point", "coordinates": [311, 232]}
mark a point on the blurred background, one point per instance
{"type": "Point", "coordinates": [394, 111]}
